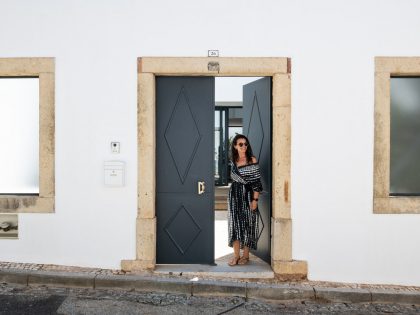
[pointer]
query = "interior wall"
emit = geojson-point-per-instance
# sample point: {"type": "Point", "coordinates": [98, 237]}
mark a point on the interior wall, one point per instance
{"type": "Point", "coordinates": [332, 45]}
{"type": "Point", "coordinates": [229, 89]}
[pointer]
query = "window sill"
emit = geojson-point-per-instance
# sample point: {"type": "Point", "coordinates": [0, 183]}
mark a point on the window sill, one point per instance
{"type": "Point", "coordinates": [396, 205]}
{"type": "Point", "coordinates": [26, 204]}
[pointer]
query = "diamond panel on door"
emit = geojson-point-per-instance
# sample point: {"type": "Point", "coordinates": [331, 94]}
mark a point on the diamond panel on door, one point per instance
{"type": "Point", "coordinates": [255, 127]}
{"type": "Point", "coordinates": [189, 133]}
{"type": "Point", "coordinates": [182, 238]}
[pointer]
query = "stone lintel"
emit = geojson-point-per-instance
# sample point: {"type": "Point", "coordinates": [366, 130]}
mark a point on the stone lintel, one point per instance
{"type": "Point", "coordinates": [221, 66]}
{"type": "Point", "coordinates": [397, 66]}
{"type": "Point", "coordinates": [21, 67]}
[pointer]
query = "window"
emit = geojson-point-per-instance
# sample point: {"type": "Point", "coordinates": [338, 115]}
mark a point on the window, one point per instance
{"type": "Point", "coordinates": [405, 137]}
{"type": "Point", "coordinates": [27, 135]}
{"type": "Point", "coordinates": [397, 134]}
{"type": "Point", "coordinates": [19, 138]}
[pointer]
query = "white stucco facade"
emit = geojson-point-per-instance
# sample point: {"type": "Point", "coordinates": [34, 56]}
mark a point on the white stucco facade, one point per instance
{"type": "Point", "coordinates": [332, 46]}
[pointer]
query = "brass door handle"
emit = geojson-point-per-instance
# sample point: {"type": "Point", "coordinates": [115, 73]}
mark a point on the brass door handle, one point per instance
{"type": "Point", "coordinates": [201, 187]}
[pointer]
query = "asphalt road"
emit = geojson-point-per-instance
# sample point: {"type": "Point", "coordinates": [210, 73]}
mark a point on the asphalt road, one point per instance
{"type": "Point", "coordinates": [16, 299]}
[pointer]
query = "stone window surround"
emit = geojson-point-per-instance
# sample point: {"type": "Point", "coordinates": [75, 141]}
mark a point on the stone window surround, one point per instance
{"type": "Point", "coordinates": [44, 69]}
{"type": "Point", "coordinates": [281, 223]}
{"type": "Point", "coordinates": [385, 68]}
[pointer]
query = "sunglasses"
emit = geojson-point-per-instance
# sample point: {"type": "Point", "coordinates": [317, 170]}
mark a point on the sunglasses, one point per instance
{"type": "Point", "coordinates": [241, 144]}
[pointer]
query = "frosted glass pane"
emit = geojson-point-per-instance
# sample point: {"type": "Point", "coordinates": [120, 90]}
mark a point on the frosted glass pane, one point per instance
{"type": "Point", "coordinates": [19, 136]}
{"type": "Point", "coordinates": [405, 136]}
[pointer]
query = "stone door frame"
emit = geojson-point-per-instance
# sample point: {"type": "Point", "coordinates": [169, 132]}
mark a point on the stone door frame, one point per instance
{"type": "Point", "coordinates": [279, 69]}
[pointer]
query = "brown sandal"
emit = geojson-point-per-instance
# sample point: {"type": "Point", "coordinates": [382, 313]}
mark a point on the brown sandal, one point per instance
{"type": "Point", "coordinates": [243, 261]}
{"type": "Point", "coordinates": [234, 261]}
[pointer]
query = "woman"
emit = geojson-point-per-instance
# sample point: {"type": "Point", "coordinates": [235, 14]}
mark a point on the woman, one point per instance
{"type": "Point", "coordinates": [243, 200]}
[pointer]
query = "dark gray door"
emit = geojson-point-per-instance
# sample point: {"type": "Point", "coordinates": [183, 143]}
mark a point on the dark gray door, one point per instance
{"type": "Point", "coordinates": [184, 165]}
{"type": "Point", "coordinates": [257, 127]}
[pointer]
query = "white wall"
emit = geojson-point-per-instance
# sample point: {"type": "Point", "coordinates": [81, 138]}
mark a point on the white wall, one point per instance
{"type": "Point", "coordinates": [332, 45]}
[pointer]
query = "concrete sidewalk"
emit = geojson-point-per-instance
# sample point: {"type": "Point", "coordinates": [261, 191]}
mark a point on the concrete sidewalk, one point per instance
{"type": "Point", "coordinates": [65, 276]}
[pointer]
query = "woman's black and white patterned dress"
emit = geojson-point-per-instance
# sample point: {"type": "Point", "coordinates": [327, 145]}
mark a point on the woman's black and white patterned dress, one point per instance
{"type": "Point", "coordinates": [243, 222]}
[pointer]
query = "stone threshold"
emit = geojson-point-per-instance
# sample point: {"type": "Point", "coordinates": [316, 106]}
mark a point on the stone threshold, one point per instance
{"type": "Point", "coordinates": [256, 268]}
{"type": "Point", "coordinates": [224, 271]}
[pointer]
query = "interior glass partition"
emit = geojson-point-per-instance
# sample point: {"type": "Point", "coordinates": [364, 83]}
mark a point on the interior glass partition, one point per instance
{"type": "Point", "coordinates": [221, 144]}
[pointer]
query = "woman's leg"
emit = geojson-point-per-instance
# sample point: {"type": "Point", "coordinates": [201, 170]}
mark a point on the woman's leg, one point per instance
{"type": "Point", "coordinates": [246, 252]}
{"type": "Point", "coordinates": [245, 256]}
{"type": "Point", "coordinates": [235, 259]}
{"type": "Point", "coordinates": [236, 248]}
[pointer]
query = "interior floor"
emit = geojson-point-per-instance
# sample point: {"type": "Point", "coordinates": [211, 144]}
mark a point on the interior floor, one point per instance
{"type": "Point", "coordinates": [220, 197]}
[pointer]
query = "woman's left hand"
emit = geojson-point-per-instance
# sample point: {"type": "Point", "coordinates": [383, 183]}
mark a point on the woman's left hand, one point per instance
{"type": "Point", "coordinates": [254, 205]}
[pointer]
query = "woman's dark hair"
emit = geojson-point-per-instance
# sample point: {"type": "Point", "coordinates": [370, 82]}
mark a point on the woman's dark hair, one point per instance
{"type": "Point", "coordinates": [235, 154]}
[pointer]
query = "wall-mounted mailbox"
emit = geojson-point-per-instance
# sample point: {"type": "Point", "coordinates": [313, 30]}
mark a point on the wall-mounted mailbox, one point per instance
{"type": "Point", "coordinates": [114, 173]}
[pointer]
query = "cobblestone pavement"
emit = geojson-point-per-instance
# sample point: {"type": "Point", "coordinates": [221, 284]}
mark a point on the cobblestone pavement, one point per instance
{"type": "Point", "coordinates": [98, 271]}
{"type": "Point", "coordinates": [15, 299]}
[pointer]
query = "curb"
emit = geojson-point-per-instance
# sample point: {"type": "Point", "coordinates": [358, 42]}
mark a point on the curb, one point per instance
{"type": "Point", "coordinates": [343, 295]}
{"type": "Point", "coordinates": [143, 284]}
{"type": "Point", "coordinates": [215, 288]}
{"type": "Point", "coordinates": [73, 280]}
{"type": "Point", "coordinates": [383, 296]}
{"type": "Point", "coordinates": [279, 292]}
{"type": "Point", "coordinates": [273, 292]}
{"type": "Point", "coordinates": [15, 277]}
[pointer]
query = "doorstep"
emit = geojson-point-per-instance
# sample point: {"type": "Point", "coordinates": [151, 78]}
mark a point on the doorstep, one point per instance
{"type": "Point", "coordinates": [255, 269]}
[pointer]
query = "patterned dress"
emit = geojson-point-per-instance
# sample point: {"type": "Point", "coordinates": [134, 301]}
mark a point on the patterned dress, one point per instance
{"type": "Point", "coordinates": [243, 222]}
